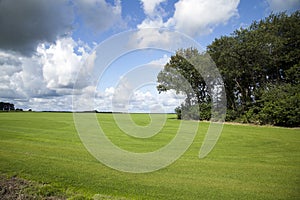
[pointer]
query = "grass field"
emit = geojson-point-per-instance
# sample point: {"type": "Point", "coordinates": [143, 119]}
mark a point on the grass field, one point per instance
{"type": "Point", "coordinates": [248, 162]}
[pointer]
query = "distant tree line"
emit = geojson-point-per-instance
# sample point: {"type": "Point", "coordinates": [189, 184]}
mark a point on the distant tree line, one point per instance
{"type": "Point", "coordinates": [4, 106]}
{"type": "Point", "coordinates": [7, 106]}
{"type": "Point", "coordinates": [260, 67]}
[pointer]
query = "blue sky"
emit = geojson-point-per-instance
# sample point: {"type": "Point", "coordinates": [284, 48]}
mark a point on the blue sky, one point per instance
{"type": "Point", "coordinates": [44, 44]}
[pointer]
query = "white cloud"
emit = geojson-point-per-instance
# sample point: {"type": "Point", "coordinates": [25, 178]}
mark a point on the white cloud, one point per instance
{"type": "Point", "coordinates": [148, 34]}
{"type": "Point", "coordinates": [9, 63]}
{"type": "Point", "coordinates": [50, 73]}
{"type": "Point", "coordinates": [109, 91]}
{"type": "Point", "coordinates": [198, 17]}
{"type": "Point", "coordinates": [146, 101]}
{"type": "Point", "coordinates": [9, 66]}
{"type": "Point", "coordinates": [61, 63]}
{"type": "Point", "coordinates": [32, 82]}
{"type": "Point", "coordinates": [151, 7]}
{"type": "Point", "coordinates": [43, 82]}
{"type": "Point", "coordinates": [159, 39]}
{"type": "Point", "coordinates": [122, 94]}
{"type": "Point", "coordinates": [39, 63]}
{"type": "Point", "coordinates": [59, 103]}
{"type": "Point", "coordinates": [133, 93]}
{"type": "Point", "coordinates": [129, 97]}
{"type": "Point", "coordinates": [154, 14]}
{"type": "Point", "coordinates": [283, 5]}
{"type": "Point", "coordinates": [161, 61]}
{"type": "Point", "coordinates": [192, 17]}
{"type": "Point", "coordinates": [138, 101]}
{"type": "Point", "coordinates": [22, 79]}
{"type": "Point", "coordinates": [151, 23]}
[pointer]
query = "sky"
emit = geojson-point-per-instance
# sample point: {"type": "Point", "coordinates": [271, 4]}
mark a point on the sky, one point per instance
{"type": "Point", "coordinates": [49, 48]}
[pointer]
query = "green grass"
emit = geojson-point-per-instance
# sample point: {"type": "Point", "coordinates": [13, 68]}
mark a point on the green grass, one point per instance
{"type": "Point", "coordinates": [248, 162]}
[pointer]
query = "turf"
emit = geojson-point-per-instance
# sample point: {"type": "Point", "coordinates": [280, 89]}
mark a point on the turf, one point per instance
{"type": "Point", "coordinates": [248, 162]}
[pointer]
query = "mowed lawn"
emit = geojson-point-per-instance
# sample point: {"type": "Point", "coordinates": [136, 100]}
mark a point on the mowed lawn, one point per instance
{"type": "Point", "coordinates": [248, 162]}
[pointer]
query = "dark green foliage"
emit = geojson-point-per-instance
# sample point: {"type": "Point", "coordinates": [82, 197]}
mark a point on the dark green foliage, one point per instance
{"type": "Point", "coordinates": [178, 112]}
{"type": "Point", "coordinates": [199, 112]}
{"type": "Point", "coordinates": [182, 74]}
{"type": "Point", "coordinates": [256, 63]}
{"type": "Point", "coordinates": [293, 74]}
{"type": "Point", "coordinates": [6, 106]}
{"type": "Point", "coordinates": [260, 66]}
{"type": "Point", "coordinates": [279, 105]}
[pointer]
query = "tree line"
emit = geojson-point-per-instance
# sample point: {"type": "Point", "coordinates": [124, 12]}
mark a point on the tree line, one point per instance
{"type": "Point", "coordinates": [260, 68]}
{"type": "Point", "coordinates": [6, 106]}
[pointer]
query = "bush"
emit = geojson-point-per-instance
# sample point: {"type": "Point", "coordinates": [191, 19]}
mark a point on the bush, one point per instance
{"type": "Point", "coordinates": [194, 112]}
{"type": "Point", "coordinates": [280, 105]}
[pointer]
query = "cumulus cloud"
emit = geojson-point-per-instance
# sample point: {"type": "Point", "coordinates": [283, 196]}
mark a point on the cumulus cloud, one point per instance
{"type": "Point", "coordinates": [61, 63]}
{"type": "Point", "coordinates": [152, 8]}
{"type": "Point", "coordinates": [161, 61]}
{"type": "Point", "coordinates": [31, 82]}
{"type": "Point", "coordinates": [9, 64]}
{"type": "Point", "coordinates": [192, 17]}
{"type": "Point", "coordinates": [139, 101]}
{"type": "Point", "coordinates": [198, 17]}
{"type": "Point", "coordinates": [154, 14]}
{"type": "Point", "coordinates": [39, 59]}
{"type": "Point", "coordinates": [150, 37]}
{"type": "Point", "coordinates": [146, 101]}
{"type": "Point", "coordinates": [58, 103]}
{"type": "Point", "coordinates": [98, 15]}
{"type": "Point", "coordinates": [24, 24]}
{"type": "Point", "coordinates": [49, 73]}
{"type": "Point", "coordinates": [283, 5]}
{"type": "Point", "coordinates": [22, 81]}
{"type": "Point", "coordinates": [152, 23]}
{"type": "Point", "coordinates": [136, 92]}
{"type": "Point", "coordinates": [122, 94]}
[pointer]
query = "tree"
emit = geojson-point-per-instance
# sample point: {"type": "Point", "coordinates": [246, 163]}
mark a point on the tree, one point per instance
{"type": "Point", "coordinates": [260, 67]}
{"type": "Point", "coordinates": [187, 73]}
{"type": "Point", "coordinates": [6, 106]}
{"type": "Point", "coordinates": [279, 105]}
{"type": "Point", "coordinates": [252, 59]}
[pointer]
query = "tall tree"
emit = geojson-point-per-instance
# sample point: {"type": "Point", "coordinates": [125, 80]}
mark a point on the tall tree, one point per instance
{"type": "Point", "coordinates": [182, 74]}
{"type": "Point", "coordinates": [267, 52]}
{"type": "Point", "coordinates": [255, 63]}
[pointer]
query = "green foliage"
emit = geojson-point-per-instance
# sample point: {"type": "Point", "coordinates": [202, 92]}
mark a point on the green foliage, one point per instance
{"type": "Point", "coordinates": [264, 55]}
{"type": "Point", "coordinates": [6, 106]}
{"type": "Point", "coordinates": [194, 112]}
{"type": "Point", "coordinates": [252, 61]}
{"type": "Point", "coordinates": [190, 112]}
{"type": "Point", "coordinates": [178, 112]}
{"type": "Point", "coordinates": [187, 73]}
{"type": "Point", "coordinates": [293, 75]}
{"type": "Point", "coordinates": [279, 105]}
{"type": "Point", "coordinates": [181, 75]}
